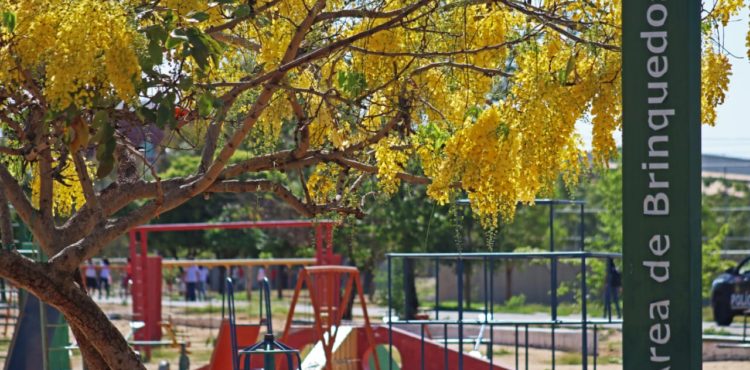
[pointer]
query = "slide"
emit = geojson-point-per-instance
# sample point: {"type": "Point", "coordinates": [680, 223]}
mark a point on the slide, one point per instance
{"type": "Point", "coordinates": [26, 350]}
{"type": "Point", "coordinates": [221, 359]}
{"type": "Point", "coordinates": [409, 347]}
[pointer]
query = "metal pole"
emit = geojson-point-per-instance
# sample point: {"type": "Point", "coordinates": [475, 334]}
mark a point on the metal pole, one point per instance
{"type": "Point", "coordinates": [437, 289]}
{"type": "Point", "coordinates": [421, 345]}
{"type": "Point", "coordinates": [584, 295]}
{"type": "Point", "coordinates": [516, 346]}
{"type": "Point", "coordinates": [491, 352]}
{"type": "Point", "coordinates": [460, 269]}
{"type": "Point", "coordinates": [584, 316]}
{"type": "Point", "coordinates": [486, 285]}
{"type": "Point", "coordinates": [553, 260]}
{"type": "Point", "coordinates": [445, 346]}
{"type": "Point", "coordinates": [390, 318]}
{"type": "Point", "coordinates": [492, 285]}
{"type": "Point", "coordinates": [526, 344]}
{"type": "Point", "coordinates": [553, 346]}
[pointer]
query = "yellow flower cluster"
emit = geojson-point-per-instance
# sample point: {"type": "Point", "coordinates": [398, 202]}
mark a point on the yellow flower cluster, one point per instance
{"type": "Point", "coordinates": [390, 163]}
{"type": "Point", "coordinates": [66, 197]}
{"type": "Point", "coordinates": [724, 10]}
{"type": "Point", "coordinates": [715, 71]}
{"type": "Point", "coordinates": [322, 183]}
{"type": "Point", "coordinates": [85, 47]}
{"type": "Point", "coordinates": [502, 92]}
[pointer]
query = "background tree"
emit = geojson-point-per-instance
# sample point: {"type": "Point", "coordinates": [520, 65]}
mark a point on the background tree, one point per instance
{"type": "Point", "coordinates": [480, 96]}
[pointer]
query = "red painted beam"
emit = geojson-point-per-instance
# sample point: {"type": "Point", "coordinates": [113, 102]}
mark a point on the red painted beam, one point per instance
{"type": "Point", "coordinates": [233, 225]}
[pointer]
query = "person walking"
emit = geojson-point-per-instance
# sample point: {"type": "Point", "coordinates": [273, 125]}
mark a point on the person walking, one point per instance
{"type": "Point", "coordinates": [613, 283]}
{"type": "Point", "coordinates": [105, 278]}
{"type": "Point", "coordinates": [192, 275]}
{"type": "Point", "coordinates": [91, 277]}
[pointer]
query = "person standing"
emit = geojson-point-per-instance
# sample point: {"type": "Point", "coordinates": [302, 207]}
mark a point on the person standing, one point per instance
{"type": "Point", "coordinates": [91, 277]}
{"type": "Point", "coordinates": [202, 282]}
{"type": "Point", "coordinates": [126, 279]}
{"type": "Point", "coordinates": [613, 283]}
{"type": "Point", "coordinates": [105, 278]}
{"type": "Point", "coordinates": [192, 276]}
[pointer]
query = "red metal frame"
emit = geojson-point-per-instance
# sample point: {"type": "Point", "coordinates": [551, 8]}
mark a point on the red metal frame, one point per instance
{"type": "Point", "coordinates": [143, 293]}
{"type": "Point", "coordinates": [324, 285]}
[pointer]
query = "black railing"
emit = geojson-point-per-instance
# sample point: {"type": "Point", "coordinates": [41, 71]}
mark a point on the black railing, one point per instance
{"type": "Point", "coordinates": [487, 321]}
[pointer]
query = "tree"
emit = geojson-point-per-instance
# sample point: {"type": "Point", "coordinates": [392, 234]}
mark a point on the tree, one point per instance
{"type": "Point", "coordinates": [480, 96]}
{"type": "Point", "coordinates": [605, 193]}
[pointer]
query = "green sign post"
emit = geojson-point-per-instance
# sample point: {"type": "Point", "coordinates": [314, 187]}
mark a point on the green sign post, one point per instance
{"type": "Point", "coordinates": [661, 184]}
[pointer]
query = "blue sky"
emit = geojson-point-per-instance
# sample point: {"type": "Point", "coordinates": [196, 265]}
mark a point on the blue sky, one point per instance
{"type": "Point", "coordinates": [731, 135]}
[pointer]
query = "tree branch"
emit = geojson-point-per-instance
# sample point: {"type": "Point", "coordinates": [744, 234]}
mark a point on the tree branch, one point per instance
{"type": "Point", "coordinates": [91, 356]}
{"type": "Point", "coordinates": [6, 222]}
{"type": "Point", "coordinates": [255, 186]}
{"type": "Point", "coordinates": [237, 41]}
{"type": "Point", "coordinates": [86, 184]}
{"type": "Point", "coordinates": [490, 72]}
{"type": "Point", "coordinates": [303, 130]}
{"type": "Point", "coordinates": [236, 21]}
{"type": "Point", "coordinates": [322, 51]}
{"type": "Point", "coordinates": [209, 149]}
{"type": "Point", "coordinates": [14, 193]}
{"type": "Point", "coordinates": [10, 151]}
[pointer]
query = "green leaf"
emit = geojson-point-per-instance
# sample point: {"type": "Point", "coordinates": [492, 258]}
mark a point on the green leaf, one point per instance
{"type": "Point", "coordinates": [165, 114]}
{"type": "Point", "coordinates": [147, 115]}
{"type": "Point", "coordinates": [156, 32]}
{"type": "Point", "coordinates": [242, 11]}
{"type": "Point", "coordinates": [341, 78]}
{"type": "Point", "coordinates": [198, 16]}
{"type": "Point", "coordinates": [173, 42]}
{"type": "Point", "coordinates": [352, 82]}
{"type": "Point", "coordinates": [106, 158]}
{"type": "Point", "coordinates": [9, 21]}
{"type": "Point", "coordinates": [101, 118]}
{"type": "Point", "coordinates": [155, 53]}
{"type": "Point", "coordinates": [568, 68]}
{"type": "Point", "coordinates": [105, 140]}
{"type": "Point", "coordinates": [205, 104]}
{"type": "Point", "coordinates": [176, 37]}
{"type": "Point", "coordinates": [203, 47]}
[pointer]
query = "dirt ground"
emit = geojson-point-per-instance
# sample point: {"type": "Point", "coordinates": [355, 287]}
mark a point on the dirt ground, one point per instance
{"type": "Point", "coordinates": [201, 349]}
{"type": "Point", "coordinates": [201, 342]}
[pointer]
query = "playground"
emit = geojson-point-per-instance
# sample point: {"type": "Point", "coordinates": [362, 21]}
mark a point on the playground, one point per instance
{"type": "Point", "coordinates": [321, 314]}
{"type": "Point", "coordinates": [372, 185]}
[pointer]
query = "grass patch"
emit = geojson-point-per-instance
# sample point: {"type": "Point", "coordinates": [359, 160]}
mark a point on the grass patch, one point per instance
{"type": "Point", "coordinates": [203, 310]}
{"type": "Point", "coordinates": [569, 358]}
{"type": "Point", "coordinates": [716, 331]}
{"type": "Point", "coordinates": [502, 352]}
{"type": "Point", "coordinates": [572, 358]}
{"type": "Point", "coordinates": [519, 306]}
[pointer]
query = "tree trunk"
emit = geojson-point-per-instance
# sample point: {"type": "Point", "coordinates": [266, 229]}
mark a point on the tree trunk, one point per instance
{"type": "Point", "coordinates": [90, 354]}
{"type": "Point", "coordinates": [91, 324]}
{"type": "Point", "coordinates": [411, 301]}
{"type": "Point", "coordinates": [368, 285]}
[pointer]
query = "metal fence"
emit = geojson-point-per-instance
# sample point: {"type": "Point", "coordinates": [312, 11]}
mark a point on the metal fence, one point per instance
{"type": "Point", "coordinates": [459, 323]}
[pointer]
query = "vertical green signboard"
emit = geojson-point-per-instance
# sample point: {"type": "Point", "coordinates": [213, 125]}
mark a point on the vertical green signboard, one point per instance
{"type": "Point", "coordinates": [661, 184]}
